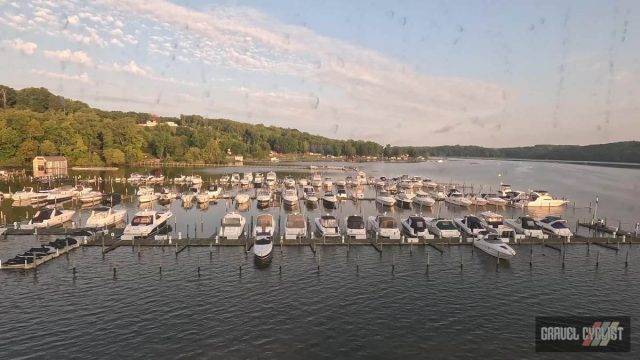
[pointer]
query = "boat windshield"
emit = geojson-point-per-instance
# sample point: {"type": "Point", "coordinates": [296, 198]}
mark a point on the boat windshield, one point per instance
{"type": "Point", "coordinates": [418, 223]}
{"type": "Point", "coordinates": [445, 225]}
{"type": "Point", "coordinates": [263, 241]}
{"type": "Point", "coordinates": [529, 224]}
{"type": "Point", "coordinates": [355, 222]}
{"type": "Point", "coordinates": [559, 225]}
{"type": "Point", "coordinates": [473, 222]}
{"type": "Point", "coordinates": [142, 220]}
{"type": "Point", "coordinates": [386, 222]}
{"type": "Point", "coordinates": [42, 215]}
{"type": "Point", "coordinates": [231, 221]}
{"type": "Point", "coordinates": [264, 221]}
{"type": "Point", "coordinates": [295, 222]}
{"type": "Point", "coordinates": [328, 222]}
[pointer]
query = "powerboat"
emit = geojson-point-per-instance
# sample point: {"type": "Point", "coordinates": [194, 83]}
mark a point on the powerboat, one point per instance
{"type": "Point", "coordinates": [265, 226]}
{"type": "Point", "coordinates": [493, 245]}
{"type": "Point", "coordinates": [235, 178]}
{"type": "Point", "coordinates": [404, 198]}
{"type": "Point", "coordinates": [290, 198]}
{"type": "Point", "coordinates": [242, 198]}
{"type": "Point", "coordinates": [194, 180]}
{"type": "Point", "coordinates": [263, 198]}
{"type": "Point", "coordinates": [540, 198]}
{"type": "Point", "coordinates": [225, 179]}
{"type": "Point", "coordinates": [303, 182]}
{"type": "Point", "coordinates": [555, 225]}
{"type": "Point", "coordinates": [327, 183]}
{"type": "Point", "coordinates": [188, 197]}
{"type": "Point", "coordinates": [27, 194]}
{"type": "Point", "coordinates": [385, 199]}
{"type": "Point", "coordinates": [442, 228]}
{"type": "Point", "coordinates": [438, 194]}
{"type": "Point", "coordinates": [289, 182]}
{"type": "Point", "coordinates": [429, 183]}
{"type": "Point", "coordinates": [477, 200]}
{"type": "Point", "coordinates": [494, 199]}
{"type": "Point", "coordinates": [166, 195]}
{"type": "Point", "coordinates": [416, 227]}
{"type": "Point", "coordinates": [358, 193]}
{"type": "Point", "coordinates": [105, 216]}
{"type": "Point", "coordinates": [202, 197]}
{"type": "Point", "coordinates": [384, 226]}
{"type": "Point", "coordinates": [494, 223]}
{"type": "Point", "coordinates": [271, 178]}
{"type": "Point", "coordinates": [341, 192]}
{"type": "Point", "coordinates": [310, 194]}
{"type": "Point", "coordinates": [527, 226]}
{"type": "Point", "coordinates": [356, 227]}
{"type": "Point", "coordinates": [61, 194]}
{"type": "Point", "coordinates": [470, 225]}
{"type": "Point", "coordinates": [49, 216]}
{"type": "Point", "coordinates": [232, 226]}
{"type": "Point", "coordinates": [214, 191]}
{"type": "Point", "coordinates": [81, 190]}
{"type": "Point", "coordinates": [330, 200]}
{"type": "Point", "coordinates": [361, 178]}
{"type": "Point", "coordinates": [316, 180]}
{"type": "Point", "coordinates": [341, 183]}
{"type": "Point", "coordinates": [146, 223]}
{"type": "Point", "coordinates": [296, 227]}
{"type": "Point", "coordinates": [423, 199]}
{"type": "Point", "coordinates": [248, 176]}
{"type": "Point", "coordinates": [327, 226]}
{"type": "Point", "coordinates": [146, 194]}
{"type": "Point", "coordinates": [455, 197]}
{"type": "Point", "coordinates": [91, 197]}
{"type": "Point", "coordinates": [257, 180]}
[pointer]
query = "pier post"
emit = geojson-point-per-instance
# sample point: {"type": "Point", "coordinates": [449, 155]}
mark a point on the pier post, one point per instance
{"type": "Point", "coordinates": [114, 273]}
{"type": "Point", "coordinates": [597, 258]}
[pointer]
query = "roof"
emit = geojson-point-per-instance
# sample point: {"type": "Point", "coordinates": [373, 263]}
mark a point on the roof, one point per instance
{"type": "Point", "coordinates": [51, 158]}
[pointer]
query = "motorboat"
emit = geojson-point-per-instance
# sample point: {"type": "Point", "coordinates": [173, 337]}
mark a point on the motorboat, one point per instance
{"type": "Point", "coordinates": [330, 200]}
{"type": "Point", "coordinates": [248, 176]}
{"type": "Point", "coordinates": [327, 226]}
{"type": "Point", "coordinates": [493, 245]}
{"type": "Point", "coordinates": [316, 180]}
{"type": "Point", "coordinates": [356, 228]}
{"type": "Point", "coordinates": [188, 196]}
{"type": "Point", "coordinates": [49, 216]}
{"type": "Point", "coordinates": [384, 226]}
{"type": "Point", "coordinates": [81, 190]}
{"type": "Point", "coordinates": [416, 227]}
{"type": "Point", "coordinates": [349, 181]}
{"type": "Point", "coordinates": [341, 183]}
{"type": "Point", "coordinates": [235, 178]}
{"type": "Point", "coordinates": [257, 180]}
{"type": "Point", "coordinates": [271, 178]}
{"type": "Point", "coordinates": [105, 216]}
{"type": "Point", "coordinates": [341, 192]}
{"type": "Point", "coordinates": [289, 182]}
{"type": "Point", "coordinates": [244, 183]}
{"type": "Point", "coordinates": [358, 193]}
{"type": "Point", "coordinates": [429, 183]}
{"type": "Point", "coordinates": [455, 197]}
{"type": "Point", "coordinates": [540, 198]}
{"type": "Point", "coordinates": [555, 225]}
{"type": "Point", "coordinates": [265, 226]}
{"type": "Point", "coordinates": [146, 194]}
{"type": "Point", "coordinates": [404, 198]}
{"type": "Point", "coordinates": [166, 195]}
{"type": "Point", "coordinates": [214, 191]}
{"type": "Point", "coordinates": [494, 199]}
{"type": "Point", "coordinates": [423, 199]}
{"type": "Point", "coordinates": [303, 182]}
{"type": "Point", "coordinates": [27, 194]}
{"type": "Point", "coordinates": [91, 197]}
{"type": "Point", "coordinates": [477, 200]}
{"type": "Point", "coordinates": [327, 183]}
{"type": "Point", "coordinates": [194, 180]}
{"type": "Point", "coordinates": [442, 228]}
{"type": "Point", "coordinates": [180, 179]}
{"type": "Point", "coordinates": [202, 197]}
{"type": "Point", "coordinates": [225, 179]}
{"type": "Point", "coordinates": [527, 226]}
{"type": "Point", "coordinates": [310, 194]}
{"type": "Point", "coordinates": [438, 194]}
{"type": "Point", "coordinates": [391, 187]}
{"type": "Point", "coordinates": [242, 198]}
{"type": "Point", "coordinates": [494, 223]}
{"type": "Point", "coordinates": [361, 178]}
{"type": "Point", "coordinates": [263, 198]}
{"type": "Point", "coordinates": [385, 199]}
{"type": "Point", "coordinates": [290, 198]}
{"type": "Point", "coordinates": [146, 223]}
{"type": "Point", "coordinates": [61, 194]}
{"type": "Point", "coordinates": [295, 227]}
{"type": "Point", "coordinates": [470, 225]}
{"type": "Point", "coordinates": [232, 226]}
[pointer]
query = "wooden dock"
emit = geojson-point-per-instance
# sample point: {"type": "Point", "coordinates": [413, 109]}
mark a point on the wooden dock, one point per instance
{"type": "Point", "coordinates": [37, 262]}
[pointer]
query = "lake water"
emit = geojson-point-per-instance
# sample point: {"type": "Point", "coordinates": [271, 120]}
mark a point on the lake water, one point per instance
{"type": "Point", "coordinates": [353, 307]}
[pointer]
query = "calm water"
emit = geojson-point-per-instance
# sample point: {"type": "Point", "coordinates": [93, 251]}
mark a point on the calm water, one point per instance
{"type": "Point", "coordinates": [337, 312]}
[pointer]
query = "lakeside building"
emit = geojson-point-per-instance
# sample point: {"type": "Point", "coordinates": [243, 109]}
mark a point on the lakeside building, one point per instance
{"type": "Point", "coordinates": [50, 166]}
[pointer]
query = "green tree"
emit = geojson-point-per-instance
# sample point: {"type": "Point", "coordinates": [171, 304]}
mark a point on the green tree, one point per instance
{"type": "Point", "coordinates": [114, 157]}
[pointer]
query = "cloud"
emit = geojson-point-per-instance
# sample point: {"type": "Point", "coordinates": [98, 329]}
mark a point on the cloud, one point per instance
{"type": "Point", "coordinates": [132, 68]}
{"type": "Point", "coordinates": [84, 78]}
{"type": "Point", "coordinates": [25, 47]}
{"type": "Point", "coordinates": [67, 55]}
{"type": "Point", "coordinates": [73, 19]}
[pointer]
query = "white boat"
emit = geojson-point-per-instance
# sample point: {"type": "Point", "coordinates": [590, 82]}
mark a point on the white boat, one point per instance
{"type": "Point", "coordinates": [248, 176]}
{"type": "Point", "coordinates": [356, 228]}
{"type": "Point", "coordinates": [232, 226]}
{"type": "Point", "coordinates": [49, 216]}
{"type": "Point", "coordinates": [265, 226]}
{"type": "Point", "coordinates": [361, 178]}
{"type": "Point", "coordinates": [330, 200]}
{"type": "Point", "coordinates": [494, 199]}
{"type": "Point", "coordinates": [214, 191]}
{"type": "Point", "coordinates": [526, 226]}
{"type": "Point", "coordinates": [271, 178]}
{"type": "Point", "coordinates": [188, 197]}
{"type": "Point", "coordinates": [202, 197]}
{"type": "Point", "coordinates": [81, 190]}
{"type": "Point", "coordinates": [423, 199]}
{"type": "Point", "coordinates": [61, 194]}
{"type": "Point", "coordinates": [146, 194]}
{"type": "Point", "coordinates": [146, 223]}
{"type": "Point", "coordinates": [327, 183]}
{"type": "Point", "coordinates": [540, 198]}
{"type": "Point", "coordinates": [385, 199]}
{"type": "Point", "coordinates": [477, 200]}
{"type": "Point", "coordinates": [310, 194]}
{"type": "Point", "coordinates": [105, 216]}
{"type": "Point", "coordinates": [493, 245]}
{"type": "Point", "coordinates": [358, 193]}
{"type": "Point", "coordinates": [341, 193]}
{"type": "Point", "coordinates": [404, 198]}
{"type": "Point", "coordinates": [28, 193]}
{"type": "Point", "coordinates": [257, 180]}
{"type": "Point", "coordinates": [194, 180]}
{"type": "Point", "coordinates": [430, 184]}
{"type": "Point", "coordinates": [242, 198]}
{"type": "Point", "coordinates": [316, 180]}
{"type": "Point", "coordinates": [438, 195]}
{"type": "Point", "coordinates": [244, 183]}
{"type": "Point", "coordinates": [225, 179]}
{"type": "Point", "coordinates": [290, 198]}
{"type": "Point", "coordinates": [166, 195]}
{"type": "Point", "coordinates": [341, 183]}
{"type": "Point", "coordinates": [494, 223]}
{"type": "Point", "coordinates": [235, 178]}
{"type": "Point", "coordinates": [442, 228]}
{"type": "Point", "coordinates": [289, 182]}
{"type": "Point", "coordinates": [180, 179]}
{"type": "Point", "coordinates": [555, 225]}
{"type": "Point", "coordinates": [384, 226]}
{"type": "Point", "coordinates": [91, 197]}
{"type": "Point", "coordinates": [416, 227]}
{"type": "Point", "coordinates": [296, 227]}
{"type": "Point", "coordinates": [327, 226]}
{"type": "Point", "coordinates": [303, 182]}
{"type": "Point", "coordinates": [263, 198]}
{"type": "Point", "coordinates": [470, 225]}
{"type": "Point", "coordinates": [455, 197]}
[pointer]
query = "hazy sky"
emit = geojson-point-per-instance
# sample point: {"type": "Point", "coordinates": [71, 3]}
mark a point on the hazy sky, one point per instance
{"type": "Point", "coordinates": [493, 73]}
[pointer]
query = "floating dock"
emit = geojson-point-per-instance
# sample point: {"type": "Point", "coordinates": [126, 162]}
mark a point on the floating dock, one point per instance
{"type": "Point", "coordinates": [37, 262]}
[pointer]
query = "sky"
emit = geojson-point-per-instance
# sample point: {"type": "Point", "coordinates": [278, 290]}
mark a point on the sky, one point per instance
{"type": "Point", "coordinates": [489, 73]}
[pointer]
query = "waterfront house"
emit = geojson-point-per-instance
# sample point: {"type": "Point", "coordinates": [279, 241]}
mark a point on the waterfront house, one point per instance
{"type": "Point", "coordinates": [49, 166]}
